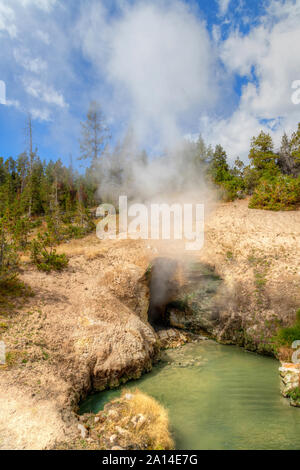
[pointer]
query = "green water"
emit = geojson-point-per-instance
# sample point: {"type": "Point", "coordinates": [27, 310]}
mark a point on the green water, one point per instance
{"type": "Point", "coordinates": [227, 399]}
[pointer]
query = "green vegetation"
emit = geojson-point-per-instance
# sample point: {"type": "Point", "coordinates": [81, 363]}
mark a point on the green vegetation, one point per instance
{"type": "Point", "coordinates": [43, 204]}
{"type": "Point", "coordinates": [49, 197]}
{"type": "Point", "coordinates": [294, 394]}
{"type": "Point", "coordinates": [44, 255]}
{"type": "Point", "coordinates": [16, 357]}
{"type": "Point", "coordinates": [272, 178]}
{"type": "Point", "coordinates": [282, 193]}
{"type": "Point", "coordinates": [286, 336]}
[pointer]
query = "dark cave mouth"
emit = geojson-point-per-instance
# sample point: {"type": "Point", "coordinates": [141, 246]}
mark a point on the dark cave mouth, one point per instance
{"type": "Point", "coordinates": [163, 288]}
{"type": "Point", "coordinates": [186, 288]}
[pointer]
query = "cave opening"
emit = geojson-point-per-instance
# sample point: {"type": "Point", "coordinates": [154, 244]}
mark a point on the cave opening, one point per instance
{"type": "Point", "coordinates": [163, 288]}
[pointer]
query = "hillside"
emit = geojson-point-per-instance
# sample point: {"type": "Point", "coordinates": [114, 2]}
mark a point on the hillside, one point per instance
{"type": "Point", "coordinates": [86, 328]}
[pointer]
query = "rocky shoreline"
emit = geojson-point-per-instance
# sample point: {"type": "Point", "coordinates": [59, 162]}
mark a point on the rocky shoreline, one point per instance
{"type": "Point", "coordinates": [290, 382]}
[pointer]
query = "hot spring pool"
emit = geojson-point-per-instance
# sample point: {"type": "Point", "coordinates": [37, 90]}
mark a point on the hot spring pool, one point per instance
{"type": "Point", "coordinates": [226, 399]}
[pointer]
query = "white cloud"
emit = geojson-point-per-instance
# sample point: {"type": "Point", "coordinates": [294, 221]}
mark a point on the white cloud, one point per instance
{"type": "Point", "coordinates": [268, 57]}
{"type": "Point", "coordinates": [40, 114]}
{"type": "Point", "coordinates": [34, 65]}
{"type": "Point", "coordinates": [45, 93]}
{"type": "Point", "coordinates": [7, 20]}
{"type": "Point", "coordinates": [159, 59]}
{"type": "Point", "coordinates": [223, 6]}
{"type": "Point", "coordinates": [45, 5]}
{"type": "Point", "coordinates": [43, 36]}
{"type": "Point", "coordinates": [14, 103]}
{"type": "Point", "coordinates": [155, 65]}
{"type": "Point", "coordinates": [33, 60]}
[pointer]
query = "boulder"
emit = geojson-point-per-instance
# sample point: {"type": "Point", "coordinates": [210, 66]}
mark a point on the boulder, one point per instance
{"type": "Point", "coordinates": [290, 377]}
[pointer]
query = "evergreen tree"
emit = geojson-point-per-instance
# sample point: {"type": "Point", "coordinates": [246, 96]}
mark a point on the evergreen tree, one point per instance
{"type": "Point", "coordinates": [219, 169]}
{"type": "Point", "coordinates": [262, 155]}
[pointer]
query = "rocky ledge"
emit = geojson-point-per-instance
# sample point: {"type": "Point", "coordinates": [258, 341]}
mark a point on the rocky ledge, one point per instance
{"type": "Point", "coordinates": [290, 382]}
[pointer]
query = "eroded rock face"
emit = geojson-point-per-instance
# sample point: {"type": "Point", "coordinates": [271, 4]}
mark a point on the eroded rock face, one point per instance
{"type": "Point", "coordinates": [171, 338]}
{"type": "Point", "coordinates": [196, 304]}
{"type": "Point", "coordinates": [123, 353]}
{"type": "Point", "coordinates": [87, 326]}
{"type": "Point", "coordinates": [88, 330]}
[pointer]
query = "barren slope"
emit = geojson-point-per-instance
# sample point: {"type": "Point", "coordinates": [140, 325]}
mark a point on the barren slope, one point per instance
{"type": "Point", "coordinates": [87, 327]}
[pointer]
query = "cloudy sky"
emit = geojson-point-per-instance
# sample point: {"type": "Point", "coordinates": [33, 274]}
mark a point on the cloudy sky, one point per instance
{"type": "Point", "coordinates": [168, 68]}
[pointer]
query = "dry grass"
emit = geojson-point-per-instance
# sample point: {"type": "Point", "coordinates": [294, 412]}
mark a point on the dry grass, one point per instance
{"type": "Point", "coordinates": [156, 427]}
{"type": "Point", "coordinates": [135, 421]}
{"type": "Point", "coordinates": [89, 247]}
{"type": "Point", "coordinates": [285, 354]}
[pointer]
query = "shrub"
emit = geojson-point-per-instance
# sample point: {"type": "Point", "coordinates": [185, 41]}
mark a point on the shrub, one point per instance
{"type": "Point", "coordinates": [280, 193]}
{"type": "Point", "coordinates": [36, 223]}
{"type": "Point", "coordinates": [20, 232]}
{"type": "Point", "coordinates": [45, 257]}
{"type": "Point", "coordinates": [286, 336]}
{"type": "Point", "coordinates": [74, 231]}
{"type": "Point", "coordinates": [233, 189]}
{"type": "Point", "coordinates": [294, 394]}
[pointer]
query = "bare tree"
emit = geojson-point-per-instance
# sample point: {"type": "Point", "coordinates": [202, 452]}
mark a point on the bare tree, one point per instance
{"type": "Point", "coordinates": [29, 139]}
{"type": "Point", "coordinates": [94, 134]}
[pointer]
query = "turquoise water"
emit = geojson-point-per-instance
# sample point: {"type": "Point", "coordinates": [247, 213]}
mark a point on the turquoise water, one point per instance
{"type": "Point", "coordinates": [226, 399]}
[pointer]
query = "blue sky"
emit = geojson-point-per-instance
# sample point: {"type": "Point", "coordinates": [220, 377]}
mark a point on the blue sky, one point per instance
{"type": "Point", "coordinates": [167, 69]}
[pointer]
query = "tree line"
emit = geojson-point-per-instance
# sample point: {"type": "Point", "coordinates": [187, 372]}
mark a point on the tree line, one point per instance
{"type": "Point", "coordinates": [272, 178]}
{"type": "Point", "coordinates": [43, 203]}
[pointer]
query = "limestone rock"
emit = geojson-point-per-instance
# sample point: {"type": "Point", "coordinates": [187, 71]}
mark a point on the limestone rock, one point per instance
{"type": "Point", "coordinates": [121, 431]}
{"type": "Point", "coordinates": [113, 439]}
{"type": "Point", "coordinates": [290, 378]}
{"type": "Point", "coordinates": [113, 414]}
{"type": "Point", "coordinates": [128, 396]}
{"type": "Point", "coordinates": [83, 431]}
{"type": "Point", "coordinates": [138, 420]}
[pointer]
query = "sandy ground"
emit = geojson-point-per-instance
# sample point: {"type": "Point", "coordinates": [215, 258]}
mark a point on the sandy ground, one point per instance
{"type": "Point", "coordinates": [83, 322]}
{"type": "Point", "coordinates": [89, 322]}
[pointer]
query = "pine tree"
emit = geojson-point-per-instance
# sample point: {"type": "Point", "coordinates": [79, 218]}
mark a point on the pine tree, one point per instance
{"type": "Point", "coordinates": [219, 169]}
{"type": "Point", "coordinates": [262, 154]}
{"type": "Point", "coordinates": [238, 169]}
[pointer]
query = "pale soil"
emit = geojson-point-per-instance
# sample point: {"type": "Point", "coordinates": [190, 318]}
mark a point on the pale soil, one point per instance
{"type": "Point", "coordinates": [257, 253]}
{"type": "Point", "coordinates": [86, 327]}
{"type": "Point", "coordinates": [87, 324]}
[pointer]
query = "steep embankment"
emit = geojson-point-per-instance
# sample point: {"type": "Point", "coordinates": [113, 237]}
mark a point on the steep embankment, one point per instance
{"type": "Point", "coordinates": [84, 328]}
{"type": "Point", "coordinates": [87, 326]}
{"type": "Point", "coordinates": [245, 282]}
{"type": "Point", "coordinates": [257, 255]}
